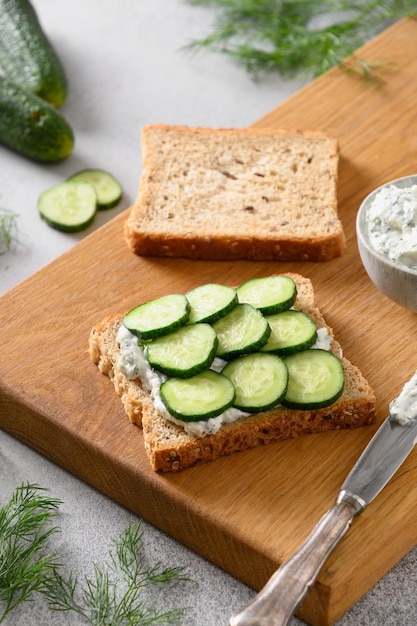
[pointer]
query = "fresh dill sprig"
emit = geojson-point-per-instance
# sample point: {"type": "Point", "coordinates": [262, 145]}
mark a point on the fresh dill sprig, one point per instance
{"type": "Point", "coordinates": [369, 71]}
{"type": "Point", "coordinates": [113, 595]}
{"type": "Point", "coordinates": [24, 532]}
{"type": "Point", "coordinates": [8, 230]}
{"type": "Point", "coordinates": [297, 37]}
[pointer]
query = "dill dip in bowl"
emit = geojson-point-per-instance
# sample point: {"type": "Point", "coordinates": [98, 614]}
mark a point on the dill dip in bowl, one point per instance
{"type": "Point", "coordinates": [386, 228]}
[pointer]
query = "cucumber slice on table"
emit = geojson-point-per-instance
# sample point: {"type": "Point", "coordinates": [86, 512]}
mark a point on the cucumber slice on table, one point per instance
{"type": "Point", "coordinates": [108, 189]}
{"type": "Point", "coordinates": [291, 331]}
{"type": "Point", "coordinates": [241, 331]}
{"type": "Point", "coordinates": [270, 294]}
{"type": "Point", "coordinates": [260, 381]}
{"type": "Point", "coordinates": [158, 317]}
{"type": "Point", "coordinates": [316, 379]}
{"type": "Point", "coordinates": [185, 352]}
{"type": "Point", "coordinates": [69, 206]}
{"type": "Point", "coordinates": [198, 398]}
{"type": "Point", "coordinates": [210, 302]}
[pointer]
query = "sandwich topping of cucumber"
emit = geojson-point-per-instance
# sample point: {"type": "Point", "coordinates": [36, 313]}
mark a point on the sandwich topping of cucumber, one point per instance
{"type": "Point", "coordinates": [216, 354]}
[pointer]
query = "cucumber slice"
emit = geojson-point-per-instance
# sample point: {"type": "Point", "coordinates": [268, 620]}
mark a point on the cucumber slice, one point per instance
{"type": "Point", "coordinates": [316, 379]}
{"type": "Point", "coordinates": [158, 317]}
{"type": "Point", "coordinates": [270, 295]}
{"type": "Point", "coordinates": [108, 189]}
{"type": "Point", "coordinates": [184, 353]}
{"type": "Point", "coordinates": [69, 206]}
{"type": "Point", "coordinates": [210, 302]}
{"type": "Point", "coordinates": [260, 381]}
{"type": "Point", "coordinates": [241, 331]}
{"type": "Point", "coordinates": [291, 331]}
{"type": "Point", "coordinates": [198, 398]}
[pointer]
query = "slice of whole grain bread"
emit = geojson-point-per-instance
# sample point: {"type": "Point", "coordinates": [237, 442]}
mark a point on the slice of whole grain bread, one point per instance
{"type": "Point", "coordinates": [170, 448]}
{"type": "Point", "coordinates": [227, 194]}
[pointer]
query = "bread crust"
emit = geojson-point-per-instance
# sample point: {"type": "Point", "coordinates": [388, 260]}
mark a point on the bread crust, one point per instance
{"type": "Point", "coordinates": [170, 448]}
{"type": "Point", "coordinates": [226, 194]}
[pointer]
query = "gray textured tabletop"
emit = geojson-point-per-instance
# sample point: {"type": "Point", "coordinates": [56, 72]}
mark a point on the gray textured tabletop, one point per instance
{"type": "Point", "coordinates": [127, 67]}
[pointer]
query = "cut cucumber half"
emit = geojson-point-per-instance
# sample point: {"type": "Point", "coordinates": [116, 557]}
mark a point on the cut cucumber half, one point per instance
{"type": "Point", "coordinates": [198, 398]}
{"type": "Point", "coordinates": [210, 302]}
{"type": "Point", "coordinates": [108, 189]}
{"type": "Point", "coordinates": [270, 295]}
{"type": "Point", "coordinates": [158, 317]}
{"type": "Point", "coordinates": [291, 331]}
{"type": "Point", "coordinates": [184, 353]}
{"type": "Point", "coordinates": [260, 381]}
{"type": "Point", "coordinates": [69, 206]}
{"type": "Point", "coordinates": [316, 379]}
{"type": "Point", "coordinates": [242, 331]}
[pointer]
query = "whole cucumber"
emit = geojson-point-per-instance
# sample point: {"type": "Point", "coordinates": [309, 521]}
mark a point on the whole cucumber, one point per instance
{"type": "Point", "coordinates": [31, 126]}
{"type": "Point", "coordinates": [26, 55]}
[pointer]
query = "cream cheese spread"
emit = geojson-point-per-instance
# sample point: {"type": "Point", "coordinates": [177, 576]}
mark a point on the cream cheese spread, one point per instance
{"type": "Point", "coordinates": [403, 409]}
{"type": "Point", "coordinates": [392, 224]}
{"type": "Point", "coordinates": [324, 340]}
{"type": "Point", "coordinates": [133, 364]}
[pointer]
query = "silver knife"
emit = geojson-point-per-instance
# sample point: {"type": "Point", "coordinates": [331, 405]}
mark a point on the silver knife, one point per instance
{"type": "Point", "coordinates": [392, 443]}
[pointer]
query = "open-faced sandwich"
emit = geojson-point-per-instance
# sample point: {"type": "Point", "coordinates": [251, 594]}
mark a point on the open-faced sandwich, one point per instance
{"type": "Point", "coordinates": [220, 370]}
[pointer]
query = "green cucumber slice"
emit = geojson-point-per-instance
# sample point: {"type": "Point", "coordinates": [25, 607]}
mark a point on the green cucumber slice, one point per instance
{"type": "Point", "coordinates": [291, 331]}
{"type": "Point", "coordinates": [198, 398]}
{"type": "Point", "coordinates": [270, 295]}
{"type": "Point", "coordinates": [316, 379]}
{"type": "Point", "coordinates": [260, 381]}
{"type": "Point", "coordinates": [185, 352]}
{"type": "Point", "coordinates": [241, 331]}
{"type": "Point", "coordinates": [210, 302]}
{"type": "Point", "coordinates": [158, 317]}
{"type": "Point", "coordinates": [108, 189]}
{"type": "Point", "coordinates": [69, 206]}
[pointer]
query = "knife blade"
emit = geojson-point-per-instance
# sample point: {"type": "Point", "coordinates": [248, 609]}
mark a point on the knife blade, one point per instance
{"type": "Point", "coordinates": [387, 450]}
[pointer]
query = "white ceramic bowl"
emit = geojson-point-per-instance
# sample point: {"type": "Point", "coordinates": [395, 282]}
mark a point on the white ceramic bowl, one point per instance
{"type": "Point", "coordinates": [396, 281]}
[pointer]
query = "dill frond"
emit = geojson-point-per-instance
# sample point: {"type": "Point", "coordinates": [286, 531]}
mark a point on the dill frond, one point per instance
{"type": "Point", "coordinates": [297, 37]}
{"type": "Point", "coordinates": [24, 533]}
{"type": "Point", "coordinates": [8, 230]}
{"type": "Point", "coordinates": [113, 594]}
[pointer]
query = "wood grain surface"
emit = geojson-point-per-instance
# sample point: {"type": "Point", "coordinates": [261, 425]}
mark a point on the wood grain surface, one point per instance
{"type": "Point", "coordinates": [248, 512]}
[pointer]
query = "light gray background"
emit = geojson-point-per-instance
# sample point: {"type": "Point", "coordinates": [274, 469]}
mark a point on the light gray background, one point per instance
{"type": "Point", "coordinates": [127, 67]}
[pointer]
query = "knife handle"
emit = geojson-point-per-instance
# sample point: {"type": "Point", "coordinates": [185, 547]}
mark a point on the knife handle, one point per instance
{"type": "Point", "coordinates": [276, 602]}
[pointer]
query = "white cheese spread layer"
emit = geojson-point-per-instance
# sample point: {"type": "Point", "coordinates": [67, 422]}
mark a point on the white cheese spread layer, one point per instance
{"type": "Point", "coordinates": [133, 364]}
{"type": "Point", "coordinates": [403, 409]}
{"type": "Point", "coordinates": [392, 224]}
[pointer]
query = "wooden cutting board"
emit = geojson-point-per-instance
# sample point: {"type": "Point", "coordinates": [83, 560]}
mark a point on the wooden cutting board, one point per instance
{"type": "Point", "coordinates": [248, 512]}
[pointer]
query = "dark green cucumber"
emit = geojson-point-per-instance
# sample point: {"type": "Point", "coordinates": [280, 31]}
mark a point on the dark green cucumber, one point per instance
{"type": "Point", "coordinates": [242, 331]}
{"type": "Point", "coordinates": [158, 317]}
{"type": "Point", "coordinates": [210, 302]}
{"type": "Point", "coordinates": [108, 189]}
{"type": "Point", "coordinates": [291, 331]}
{"type": "Point", "coordinates": [185, 352]}
{"type": "Point", "coordinates": [70, 206]}
{"type": "Point", "coordinates": [260, 380]}
{"type": "Point", "coordinates": [270, 294]}
{"type": "Point", "coordinates": [316, 379]}
{"type": "Point", "coordinates": [31, 126]}
{"type": "Point", "coordinates": [26, 55]}
{"type": "Point", "coordinates": [198, 398]}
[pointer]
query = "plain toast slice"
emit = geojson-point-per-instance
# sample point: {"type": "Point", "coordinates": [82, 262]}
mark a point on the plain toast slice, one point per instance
{"type": "Point", "coordinates": [225, 194]}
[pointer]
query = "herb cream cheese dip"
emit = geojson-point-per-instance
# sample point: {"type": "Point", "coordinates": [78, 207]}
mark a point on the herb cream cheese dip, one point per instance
{"type": "Point", "coordinates": [392, 224]}
{"type": "Point", "coordinates": [403, 409]}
